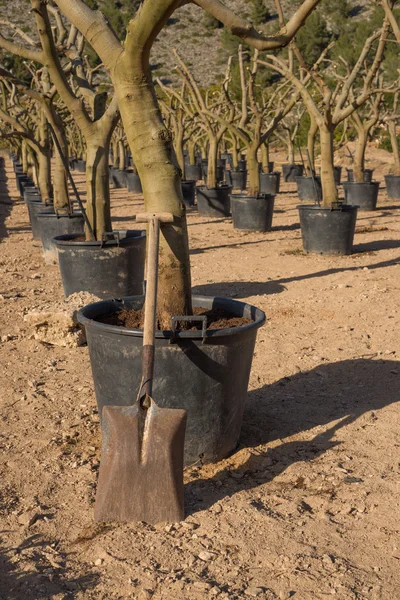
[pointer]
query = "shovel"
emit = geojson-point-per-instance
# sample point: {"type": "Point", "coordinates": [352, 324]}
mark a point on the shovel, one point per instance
{"type": "Point", "coordinates": [141, 469]}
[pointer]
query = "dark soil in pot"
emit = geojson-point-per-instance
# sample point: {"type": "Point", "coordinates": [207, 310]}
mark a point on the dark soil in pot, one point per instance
{"type": "Point", "coordinates": [188, 192]}
{"type": "Point", "coordinates": [393, 186]}
{"type": "Point", "coordinates": [51, 224]}
{"type": "Point", "coordinates": [309, 189]}
{"type": "Point", "coordinates": [270, 183]}
{"type": "Point", "coordinates": [363, 195]}
{"type": "Point", "coordinates": [252, 213]}
{"type": "Point", "coordinates": [109, 269]}
{"type": "Point", "coordinates": [209, 378]}
{"type": "Point", "coordinates": [367, 175]}
{"type": "Point", "coordinates": [133, 182]}
{"type": "Point", "coordinates": [214, 202]}
{"type": "Point", "coordinates": [328, 230]}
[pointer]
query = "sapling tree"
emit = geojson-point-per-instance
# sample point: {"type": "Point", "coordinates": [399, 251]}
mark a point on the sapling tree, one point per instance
{"type": "Point", "coordinates": [127, 63]}
{"type": "Point", "coordinates": [363, 120]}
{"type": "Point", "coordinates": [330, 103]}
{"type": "Point", "coordinates": [392, 119]}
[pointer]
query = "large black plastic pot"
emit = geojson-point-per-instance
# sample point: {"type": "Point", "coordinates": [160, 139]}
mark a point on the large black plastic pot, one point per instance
{"type": "Point", "coordinates": [270, 183]}
{"type": "Point", "coordinates": [307, 190]}
{"type": "Point", "coordinates": [34, 208]}
{"type": "Point", "coordinates": [363, 195]}
{"type": "Point", "coordinates": [238, 179]}
{"type": "Point", "coordinates": [109, 269]}
{"type": "Point", "coordinates": [208, 378]}
{"type": "Point", "coordinates": [133, 182]}
{"type": "Point", "coordinates": [270, 167]}
{"type": "Point", "coordinates": [326, 230]}
{"type": "Point", "coordinates": [219, 173]}
{"type": "Point", "coordinates": [51, 224]}
{"type": "Point", "coordinates": [188, 191]}
{"type": "Point", "coordinates": [193, 172]}
{"type": "Point", "coordinates": [214, 202]}
{"type": "Point", "coordinates": [32, 194]}
{"type": "Point", "coordinates": [290, 172]}
{"type": "Point", "coordinates": [337, 173]}
{"type": "Point", "coordinates": [227, 156]}
{"type": "Point", "coordinates": [23, 181]}
{"type": "Point", "coordinates": [81, 165]}
{"type": "Point", "coordinates": [118, 178]}
{"type": "Point", "coordinates": [367, 175]}
{"type": "Point", "coordinates": [393, 186]}
{"type": "Point", "coordinates": [252, 213]}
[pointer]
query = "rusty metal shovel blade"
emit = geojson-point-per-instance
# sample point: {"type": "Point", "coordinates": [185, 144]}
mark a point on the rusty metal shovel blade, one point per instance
{"type": "Point", "coordinates": [141, 470]}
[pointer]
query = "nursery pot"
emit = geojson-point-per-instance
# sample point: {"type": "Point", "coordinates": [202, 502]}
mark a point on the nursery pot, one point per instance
{"type": "Point", "coordinates": [81, 165]}
{"type": "Point", "coordinates": [206, 376]}
{"type": "Point", "coordinates": [188, 191]}
{"type": "Point", "coordinates": [32, 194]}
{"type": "Point", "coordinates": [51, 224]}
{"type": "Point", "coordinates": [270, 167]}
{"type": "Point", "coordinates": [328, 230]}
{"type": "Point", "coordinates": [34, 208]}
{"type": "Point", "coordinates": [367, 173]}
{"type": "Point", "coordinates": [193, 172]}
{"type": "Point", "coordinates": [309, 189]}
{"type": "Point", "coordinates": [219, 172]}
{"type": "Point", "coordinates": [270, 183]}
{"type": "Point", "coordinates": [252, 213]}
{"type": "Point", "coordinates": [238, 179]}
{"type": "Point", "coordinates": [23, 181]}
{"type": "Point", "coordinates": [363, 195]}
{"type": "Point", "coordinates": [393, 186]}
{"type": "Point", "coordinates": [291, 171]}
{"type": "Point", "coordinates": [118, 178]}
{"type": "Point", "coordinates": [133, 182]}
{"type": "Point", "coordinates": [108, 269]}
{"type": "Point", "coordinates": [214, 202]}
{"type": "Point", "coordinates": [337, 173]}
{"type": "Point", "coordinates": [228, 157]}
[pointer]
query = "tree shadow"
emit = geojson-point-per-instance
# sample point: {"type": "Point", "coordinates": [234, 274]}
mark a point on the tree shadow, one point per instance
{"type": "Point", "coordinates": [376, 245]}
{"type": "Point", "coordinates": [292, 227]}
{"type": "Point", "coordinates": [341, 392]}
{"type": "Point", "coordinates": [44, 573]}
{"type": "Point", "coordinates": [233, 245]}
{"type": "Point", "coordinates": [239, 289]}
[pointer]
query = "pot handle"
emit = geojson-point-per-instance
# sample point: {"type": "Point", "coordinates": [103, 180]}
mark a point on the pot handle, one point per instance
{"type": "Point", "coordinates": [106, 235]}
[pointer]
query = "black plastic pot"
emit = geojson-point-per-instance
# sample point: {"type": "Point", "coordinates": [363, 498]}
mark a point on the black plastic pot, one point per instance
{"type": "Point", "coordinates": [270, 183]}
{"type": "Point", "coordinates": [307, 190]}
{"type": "Point", "coordinates": [81, 165]}
{"type": "Point", "coordinates": [32, 194]}
{"type": "Point", "coordinates": [214, 202]}
{"type": "Point", "coordinates": [188, 191]}
{"type": "Point", "coordinates": [367, 175]}
{"type": "Point", "coordinates": [118, 178]}
{"type": "Point", "coordinates": [242, 165]}
{"type": "Point", "coordinates": [23, 181]}
{"type": "Point", "coordinates": [239, 179]}
{"type": "Point", "coordinates": [34, 208]}
{"type": "Point", "coordinates": [219, 173]}
{"type": "Point", "coordinates": [337, 173]}
{"type": "Point", "coordinates": [326, 230]}
{"type": "Point", "coordinates": [363, 195]}
{"type": "Point", "coordinates": [393, 186]}
{"type": "Point", "coordinates": [133, 182]}
{"type": "Point", "coordinates": [208, 379]}
{"type": "Point", "coordinates": [270, 167]}
{"type": "Point", "coordinates": [51, 224]}
{"type": "Point", "coordinates": [193, 172]}
{"type": "Point", "coordinates": [109, 269]}
{"type": "Point", "coordinates": [221, 162]}
{"type": "Point", "coordinates": [252, 213]}
{"type": "Point", "coordinates": [290, 172]}
{"type": "Point", "coordinates": [228, 157]}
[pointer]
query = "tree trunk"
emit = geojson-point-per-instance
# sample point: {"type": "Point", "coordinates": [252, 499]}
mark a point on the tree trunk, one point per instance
{"type": "Point", "coordinates": [253, 172]}
{"type": "Point", "coordinates": [24, 157]}
{"type": "Point", "coordinates": [151, 147]}
{"type": "Point", "coordinates": [290, 146]}
{"type": "Point", "coordinates": [98, 185]}
{"type": "Point", "coordinates": [44, 175]}
{"type": "Point", "coordinates": [329, 191]}
{"type": "Point", "coordinates": [235, 155]}
{"type": "Point", "coordinates": [115, 154]}
{"type": "Point", "coordinates": [311, 135]}
{"type": "Point", "coordinates": [191, 146]}
{"type": "Point", "coordinates": [122, 155]}
{"type": "Point", "coordinates": [395, 147]}
{"type": "Point", "coordinates": [212, 164]}
{"type": "Point", "coordinates": [265, 157]}
{"type": "Point", "coordinates": [60, 184]}
{"type": "Point", "coordinates": [359, 156]}
{"type": "Point", "coordinates": [179, 153]}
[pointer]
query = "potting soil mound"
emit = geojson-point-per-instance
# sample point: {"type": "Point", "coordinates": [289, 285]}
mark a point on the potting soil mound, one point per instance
{"type": "Point", "coordinates": [217, 318]}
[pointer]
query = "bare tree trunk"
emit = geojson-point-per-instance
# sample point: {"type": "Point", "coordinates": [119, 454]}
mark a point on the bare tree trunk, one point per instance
{"type": "Point", "coordinates": [329, 191]}
{"type": "Point", "coordinates": [24, 157]}
{"type": "Point", "coordinates": [265, 157]}
{"type": "Point", "coordinates": [122, 155]}
{"type": "Point", "coordinates": [152, 152]}
{"type": "Point", "coordinates": [44, 175]}
{"type": "Point", "coordinates": [311, 135]}
{"type": "Point", "coordinates": [115, 154]}
{"type": "Point", "coordinates": [395, 146]}
{"type": "Point", "coordinates": [359, 156]}
{"type": "Point", "coordinates": [180, 157]}
{"type": "Point", "coordinates": [212, 164]}
{"type": "Point", "coordinates": [253, 172]}
{"type": "Point", "coordinates": [98, 185]}
{"type": "Point", "coordinates": [191, 146]}
{"type": "Point", "coordinates": [290, 146]}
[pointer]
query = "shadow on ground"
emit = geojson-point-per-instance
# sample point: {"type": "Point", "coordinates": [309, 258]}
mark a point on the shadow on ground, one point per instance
{"type": "Point", "coordinates": [342, 391]}
{"type": "Point", "coordinates": [24, 572]}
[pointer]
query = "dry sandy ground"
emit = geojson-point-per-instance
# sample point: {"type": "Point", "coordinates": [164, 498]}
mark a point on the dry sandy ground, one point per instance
{"type": "Point", "coordinates": [308, 506]}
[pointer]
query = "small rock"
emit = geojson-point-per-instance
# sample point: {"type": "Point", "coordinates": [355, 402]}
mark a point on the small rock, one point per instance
{"type": "Point", "coordinates": [98, 562]}
{"type": "Point", "coordinates": [206, 556]}
{"type": "Point", "coordinates": [218, 509]}
{"type": "Point", "coordinates": [28, 519]}
{"type": "Point", "coordinates": [36, 276]}
{"type": "Point", "coordinates": [253, 591]}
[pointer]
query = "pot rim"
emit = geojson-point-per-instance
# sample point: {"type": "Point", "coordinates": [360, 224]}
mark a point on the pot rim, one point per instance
{"type": "Point", "coordinates": [273, 174]}
{"type": "Point", "coordinates": [259, 319]}
{"type": "Point", "coordinates": [392, 175]}
{"type": "Point", "coordinates": [67, 239]}
{"type": "Point", "coordinates": [260, 196]}
{"type": "Point", "coordinates": [54, 215]}
{"type": "Point", "coordinates": [221, 187]}
{"type": "Point", "coordinates": [364, 183]}
{"type": "Point", "coordinates": [343, 207]}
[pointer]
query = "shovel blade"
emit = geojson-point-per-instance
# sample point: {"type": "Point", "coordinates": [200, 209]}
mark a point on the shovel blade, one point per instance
{"type": "Point", "coordinates": [141, 468]}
